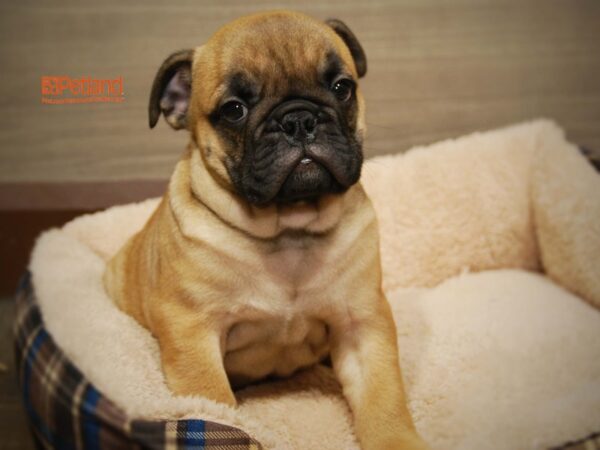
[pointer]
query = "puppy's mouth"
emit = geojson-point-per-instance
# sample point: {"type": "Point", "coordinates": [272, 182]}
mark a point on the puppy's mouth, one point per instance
{"type": "Point", "coordinates": [307, 181]}
{"type": "Point", "coordinates": [304, 173]}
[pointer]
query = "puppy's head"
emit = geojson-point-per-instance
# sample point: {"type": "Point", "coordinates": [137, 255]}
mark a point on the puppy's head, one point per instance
{"type": "Point", "coordinates": [273, 105]}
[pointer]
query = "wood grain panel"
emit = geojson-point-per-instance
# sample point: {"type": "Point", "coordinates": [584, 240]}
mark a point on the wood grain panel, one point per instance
{"type": "Point", "coordinates": [437, 69]}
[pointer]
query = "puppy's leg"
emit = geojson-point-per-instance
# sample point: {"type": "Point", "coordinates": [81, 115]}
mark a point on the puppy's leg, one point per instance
{"type": "Point", "coordinates": [365, 358]}
{"type": "Point", "coordinates": [191, 359]}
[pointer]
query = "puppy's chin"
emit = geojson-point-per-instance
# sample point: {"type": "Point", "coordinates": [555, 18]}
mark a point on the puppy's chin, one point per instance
{"type": "Point", "coordinates": [308, 181]}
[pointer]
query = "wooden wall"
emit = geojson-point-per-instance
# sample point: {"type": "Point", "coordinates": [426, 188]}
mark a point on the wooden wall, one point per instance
{"type": "Point", "coordinates": [437, 69]}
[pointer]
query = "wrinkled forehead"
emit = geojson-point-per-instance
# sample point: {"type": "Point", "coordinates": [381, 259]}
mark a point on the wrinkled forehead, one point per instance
{"type": "Point", "coordinates": [270, 56]}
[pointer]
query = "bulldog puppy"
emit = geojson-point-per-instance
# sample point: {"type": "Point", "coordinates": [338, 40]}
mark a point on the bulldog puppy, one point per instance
{"type": "Point", "coordinates": [263, 256]}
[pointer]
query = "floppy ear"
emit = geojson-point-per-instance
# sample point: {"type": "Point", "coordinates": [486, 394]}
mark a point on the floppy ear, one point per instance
{"type": "Point", "coordinates": [356, 50]}
{"type": "Point", "coordinates": [171, 90]}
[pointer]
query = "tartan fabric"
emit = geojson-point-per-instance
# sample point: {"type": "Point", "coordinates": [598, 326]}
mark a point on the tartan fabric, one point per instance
{"type": "Point", "coordinates": [66, 411]}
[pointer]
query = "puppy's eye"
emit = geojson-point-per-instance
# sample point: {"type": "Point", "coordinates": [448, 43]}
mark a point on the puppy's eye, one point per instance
{"type": "Point", "coordinates": [343, 89]}
{"type": "Point", "coordinates": [234, 111]}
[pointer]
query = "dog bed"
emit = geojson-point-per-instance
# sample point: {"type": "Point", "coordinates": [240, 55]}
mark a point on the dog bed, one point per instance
{"type": "Point", "coordinates": [490, 248]}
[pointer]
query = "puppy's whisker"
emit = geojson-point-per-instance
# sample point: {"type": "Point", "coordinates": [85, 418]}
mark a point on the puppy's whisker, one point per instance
{"type": "Point", "coordinates": [384, 127]}
{"type": "Point", "coordinates": [374, 160]}
{"type": "Point", "coordinates": [369, 172]}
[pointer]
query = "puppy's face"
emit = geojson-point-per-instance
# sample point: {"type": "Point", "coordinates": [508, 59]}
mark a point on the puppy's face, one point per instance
{"type": "Point", "coordinates": [273, 105]}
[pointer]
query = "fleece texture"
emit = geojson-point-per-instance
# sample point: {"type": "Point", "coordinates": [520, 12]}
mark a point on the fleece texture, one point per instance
{"type": "Point", "coordinates": [493, 355]}
{"type": "Point", "coordinates": [518, 197]}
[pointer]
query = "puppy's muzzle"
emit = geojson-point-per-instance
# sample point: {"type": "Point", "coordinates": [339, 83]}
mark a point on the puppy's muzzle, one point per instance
{"type": "Point", "coordinates": [299, 152]}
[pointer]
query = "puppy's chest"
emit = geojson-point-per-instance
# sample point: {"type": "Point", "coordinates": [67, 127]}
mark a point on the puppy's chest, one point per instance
{"type": "Point", "coordinates": [274, 346]}
{"type": "Point", "coordinates": [279, 326]}
{"type": "Point", "coordinates": [293, 265]}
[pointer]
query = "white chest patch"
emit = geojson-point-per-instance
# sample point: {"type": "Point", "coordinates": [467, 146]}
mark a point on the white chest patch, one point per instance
{"type": "Point", "coordinates": [276, 346]}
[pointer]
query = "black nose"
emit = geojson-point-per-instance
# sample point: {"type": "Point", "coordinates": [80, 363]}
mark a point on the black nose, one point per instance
{"type": "Point", "coordinates": [299, 125]}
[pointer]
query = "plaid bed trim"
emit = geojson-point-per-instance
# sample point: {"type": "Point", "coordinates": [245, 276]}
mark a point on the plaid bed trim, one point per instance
{"type": "Point", "coordinates": [67, 412]}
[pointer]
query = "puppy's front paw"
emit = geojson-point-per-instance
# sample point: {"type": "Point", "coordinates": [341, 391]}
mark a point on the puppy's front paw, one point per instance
{"type": "Point", "coordinates": [207, 380]}
{"type": "Point", "coordinates": [402, 442]}
{"type": "Point", "coordinates": [198, 389]}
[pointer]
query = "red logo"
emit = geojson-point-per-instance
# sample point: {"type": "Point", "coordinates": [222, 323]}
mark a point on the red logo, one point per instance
{"type": "Point", "coordinates": [64, 89]}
